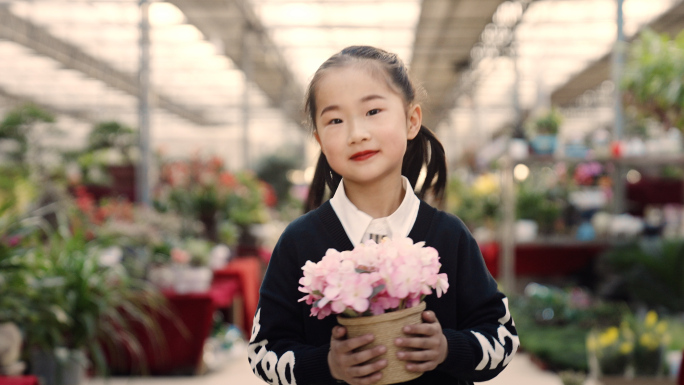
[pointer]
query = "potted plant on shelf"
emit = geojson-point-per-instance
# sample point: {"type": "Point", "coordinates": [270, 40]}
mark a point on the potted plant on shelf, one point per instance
{"type": "Point", "coordinates": [543, 132]}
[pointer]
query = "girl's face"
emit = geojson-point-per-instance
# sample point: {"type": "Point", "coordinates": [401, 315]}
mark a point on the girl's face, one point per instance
{"type": "Point", "coordinates": [362, 125]}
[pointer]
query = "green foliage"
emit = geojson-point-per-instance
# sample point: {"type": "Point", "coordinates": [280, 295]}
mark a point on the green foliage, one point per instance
{"type": "Point", "coordinates": [539, 206]}
{"type": "Point", "coordinates": [547, 123]}
{"type": "Point", "coordinates": [651, 272]}
{"type": "Point", "coordinates": [553, 324]}
{"type": "Point", "coordinates": [653, 79]}
{"type": "Point", "coordinates": [18, 125]}
{"type": "Point", "coordinates": [112, 135]}
{"type": "Point", "coordinates": [476, 204]}
{"type": "Point", "coordinates": [70, 299]}
{"type": "Point", "coordinates": [273, 170]}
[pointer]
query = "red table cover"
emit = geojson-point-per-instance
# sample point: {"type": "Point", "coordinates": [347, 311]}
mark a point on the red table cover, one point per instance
{"type": "Point", "coordinates": [19, 380]}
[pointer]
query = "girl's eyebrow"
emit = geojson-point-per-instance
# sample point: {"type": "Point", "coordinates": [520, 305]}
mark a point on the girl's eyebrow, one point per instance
{"type": "Point", "coordinates": [363, 100]}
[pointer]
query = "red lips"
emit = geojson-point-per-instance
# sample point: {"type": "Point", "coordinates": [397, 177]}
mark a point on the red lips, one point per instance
{"type": "Point", "coordinates": [363, 155]}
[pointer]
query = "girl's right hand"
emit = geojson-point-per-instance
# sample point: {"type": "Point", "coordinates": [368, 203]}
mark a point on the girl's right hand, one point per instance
{"type": "Point", "coordinates": [353, 367]}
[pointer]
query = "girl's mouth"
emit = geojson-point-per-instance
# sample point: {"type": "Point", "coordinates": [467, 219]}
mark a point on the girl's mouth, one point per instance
{"type": "Point", "coordinates": [363, 155]}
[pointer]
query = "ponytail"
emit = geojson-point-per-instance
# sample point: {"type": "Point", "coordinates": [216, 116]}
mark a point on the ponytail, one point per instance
{"type": "Point", "coordinates": [323, 176]}
{"type": "Point", "coordinates": [425, 150]}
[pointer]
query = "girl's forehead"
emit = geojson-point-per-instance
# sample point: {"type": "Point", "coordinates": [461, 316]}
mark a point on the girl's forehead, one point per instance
{"type": "Point", "coordinates": [370, 74]}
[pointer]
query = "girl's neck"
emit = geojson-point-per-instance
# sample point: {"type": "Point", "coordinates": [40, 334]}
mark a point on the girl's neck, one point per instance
{"type": "Point", "coordinates": [378, 200]}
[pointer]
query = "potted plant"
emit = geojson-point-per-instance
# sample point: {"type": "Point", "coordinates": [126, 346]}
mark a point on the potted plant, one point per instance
{"type": "Point", "coordinates": [544, 131]}
{"type": "Point", "coordinates": [192, 273]}
{"type": "Point", "coordinates": [377, 302]}
{"type": "Point", "coordinates": [116, 142]}
{"type": "Point", "coordinates": [79, 308]}
{"type": "Point", "coordinates": [653, 76]}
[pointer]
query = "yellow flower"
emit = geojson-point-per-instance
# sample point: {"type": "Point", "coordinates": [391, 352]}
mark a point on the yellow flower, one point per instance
{"type": "Point", "coordinates": [651, 319]}
{"type": "Point", "coordinates": [649, 341]}
{"type": "Point", "coordinates": [626, 348]}
{"type": "Point", "coordinates": [661, 328]}
{"type": "Point", "coordinates": [609, 337]}
{"type": "Point", "coordinates": [591, 342]}
{"type": "Point", "coordinates": [485, 184]}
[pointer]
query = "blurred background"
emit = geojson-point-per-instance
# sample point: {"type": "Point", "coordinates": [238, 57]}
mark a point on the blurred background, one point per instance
{"type": "Point", "coordinates": [151, 153]}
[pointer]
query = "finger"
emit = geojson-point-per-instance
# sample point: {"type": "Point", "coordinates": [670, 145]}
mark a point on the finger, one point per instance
{"type": "Point", "coordinates": [367, 355]}
{"type": "Point", "coordinates": [421, 343]}
{"type": "Point", "coordinates": [421, 367]}
{"type": "Point", "coordinates": [367, 369]}
{"type": "Point", "coordinates": [351, 344]}
{"type": "Point", "coordinates": [339, 332]}
{"type": "Point", "coordinates": [368, 380]}
{"type": "Point", "coordinates": [422, 329]}
{"type": "Point", "coordinates": [418, 356]}
{"type": "Point", "coordinates": [429, 316]}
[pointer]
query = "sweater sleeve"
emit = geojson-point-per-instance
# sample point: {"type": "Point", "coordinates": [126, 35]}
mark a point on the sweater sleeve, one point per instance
{"type": "Point", "coordinates": [277, 351]}
{"type": "Point", "coordinates": [485, 339]}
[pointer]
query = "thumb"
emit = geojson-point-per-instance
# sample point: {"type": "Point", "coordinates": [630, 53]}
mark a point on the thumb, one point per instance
{"type": "Point", "coordinates": [429, 316]}
{"type": "Point", "coordinates": [339, 332]}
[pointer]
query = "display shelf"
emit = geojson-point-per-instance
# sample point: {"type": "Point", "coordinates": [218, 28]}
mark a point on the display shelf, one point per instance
{"type": "Point", "coordinates": [645, 160]}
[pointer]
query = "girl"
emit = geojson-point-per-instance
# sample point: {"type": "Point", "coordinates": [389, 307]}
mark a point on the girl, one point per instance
{"type": "Point", "coordinates": [373, 147]}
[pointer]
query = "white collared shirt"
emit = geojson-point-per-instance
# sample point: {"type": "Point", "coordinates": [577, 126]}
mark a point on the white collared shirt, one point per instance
{"type": "Point", "coordinates": [359, 225]}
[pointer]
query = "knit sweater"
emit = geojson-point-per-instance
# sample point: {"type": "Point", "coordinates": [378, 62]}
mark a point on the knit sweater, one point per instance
{"type": "Point", "coordinates": [288, 346]}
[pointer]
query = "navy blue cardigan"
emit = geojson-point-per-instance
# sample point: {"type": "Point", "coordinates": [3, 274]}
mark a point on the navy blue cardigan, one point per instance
{"type": "Point", "coordinates": [288, 346]}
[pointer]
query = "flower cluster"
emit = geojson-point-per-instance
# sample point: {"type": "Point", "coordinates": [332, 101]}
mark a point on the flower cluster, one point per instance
{"type": "Point", "coordinates": [373, 278]}
{"type": "Point", "coordinates": [204, 187]}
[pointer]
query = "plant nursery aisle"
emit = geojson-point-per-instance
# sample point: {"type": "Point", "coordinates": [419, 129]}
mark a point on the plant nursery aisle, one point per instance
{"type": "Point", "coordinates": [521, 371]}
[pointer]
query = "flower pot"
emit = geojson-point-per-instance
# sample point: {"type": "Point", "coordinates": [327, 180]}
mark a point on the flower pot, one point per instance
{"type": "Point", "coordinates": [161, 276]}
{"type": "Point", "coordinates": [189, 279]}
{"type": "Point", "coordinates": [386, 328]}
{"type": "Point", "coordinates": [544, 144]}
{"type": "Point", "coordinates": [59, 367]}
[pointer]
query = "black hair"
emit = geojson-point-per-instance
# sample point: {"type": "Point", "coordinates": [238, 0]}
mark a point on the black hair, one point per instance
{"type": "Point", "coordinates": [424, 152]}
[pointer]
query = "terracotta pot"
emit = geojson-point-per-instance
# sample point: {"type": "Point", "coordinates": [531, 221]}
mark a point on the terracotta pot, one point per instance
{"type": "Point", "coordinates": [386, 328]}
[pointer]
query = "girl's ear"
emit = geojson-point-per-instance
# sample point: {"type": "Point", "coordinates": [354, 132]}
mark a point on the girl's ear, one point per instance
{"type": "Point", "coordinates": [415, 120]}
{"type": "Point", "coordinates": [318, 139]}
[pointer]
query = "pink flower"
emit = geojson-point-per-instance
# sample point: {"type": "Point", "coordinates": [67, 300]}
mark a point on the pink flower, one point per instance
{"type": "Point", "coordinates": [180, 256]}
{"type": "Point", "coordinates": [372, 278]}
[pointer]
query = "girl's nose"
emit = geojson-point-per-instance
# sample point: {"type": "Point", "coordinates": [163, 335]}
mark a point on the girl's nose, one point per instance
{"type": "Point", "coordinates": [358, 131]}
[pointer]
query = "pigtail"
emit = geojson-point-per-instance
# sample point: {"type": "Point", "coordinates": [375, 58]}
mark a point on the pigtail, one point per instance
{"type": "Point", "coordinates": [425, 150]}
{"type": "Point", "coordinates": [323, 176]}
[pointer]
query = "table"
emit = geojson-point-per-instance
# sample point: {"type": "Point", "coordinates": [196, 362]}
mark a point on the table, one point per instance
{"type": "Point", "coordinates": [19, 380]}
{"type": "Point", "coordinates": [248, 271]}
{"type": "Point", "coordinates": [184, 333]}
{"type": "Point", "coordinates": [546, 258]}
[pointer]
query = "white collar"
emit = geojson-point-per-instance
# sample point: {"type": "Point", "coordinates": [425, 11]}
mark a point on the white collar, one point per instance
{"type": "Point", "coordinates": [355, 221]}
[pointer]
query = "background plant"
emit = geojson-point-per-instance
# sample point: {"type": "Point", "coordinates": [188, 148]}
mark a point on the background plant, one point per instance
{"type": "Point", "coordinates": [652, 81]}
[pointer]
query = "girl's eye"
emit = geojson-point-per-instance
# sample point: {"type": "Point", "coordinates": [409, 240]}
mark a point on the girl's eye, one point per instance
{"type": "Point", "coordinates": [335, 121]}
{"type": "Point", "coordinates": [373, 111]}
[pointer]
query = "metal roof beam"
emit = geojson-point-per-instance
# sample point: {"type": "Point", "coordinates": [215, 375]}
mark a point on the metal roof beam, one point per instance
{"type": "Point", "coordinates": [83, 115]}
{"type": "Point", "coordinates": [29, 35]}
{"type": "Point", "coordinates": [671, 22]}
{"type": "Point", "coordinates": [269, 70]}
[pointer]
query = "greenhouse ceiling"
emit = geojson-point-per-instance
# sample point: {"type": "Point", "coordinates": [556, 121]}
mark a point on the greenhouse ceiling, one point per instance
{"type": "Point", "coordinates": [228, 76]}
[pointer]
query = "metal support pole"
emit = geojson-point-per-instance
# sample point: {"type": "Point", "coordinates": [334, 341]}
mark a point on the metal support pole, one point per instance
{"type": "Point", "coordinates": [247, 70]}
{"type": "Point", "coordinates": [617, 70]}
{"type": "Point", "coordinates": [142, 174]}
{"type": "Point", "coordinates": [508, 192]}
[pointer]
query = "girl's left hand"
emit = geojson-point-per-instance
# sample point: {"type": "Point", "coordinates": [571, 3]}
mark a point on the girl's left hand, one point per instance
{"type": "Point", "coordinates": [428, 340]}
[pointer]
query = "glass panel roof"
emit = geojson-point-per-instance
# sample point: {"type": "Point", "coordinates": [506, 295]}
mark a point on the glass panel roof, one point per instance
{"type": "Point", "coordinates": [80, 59]}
